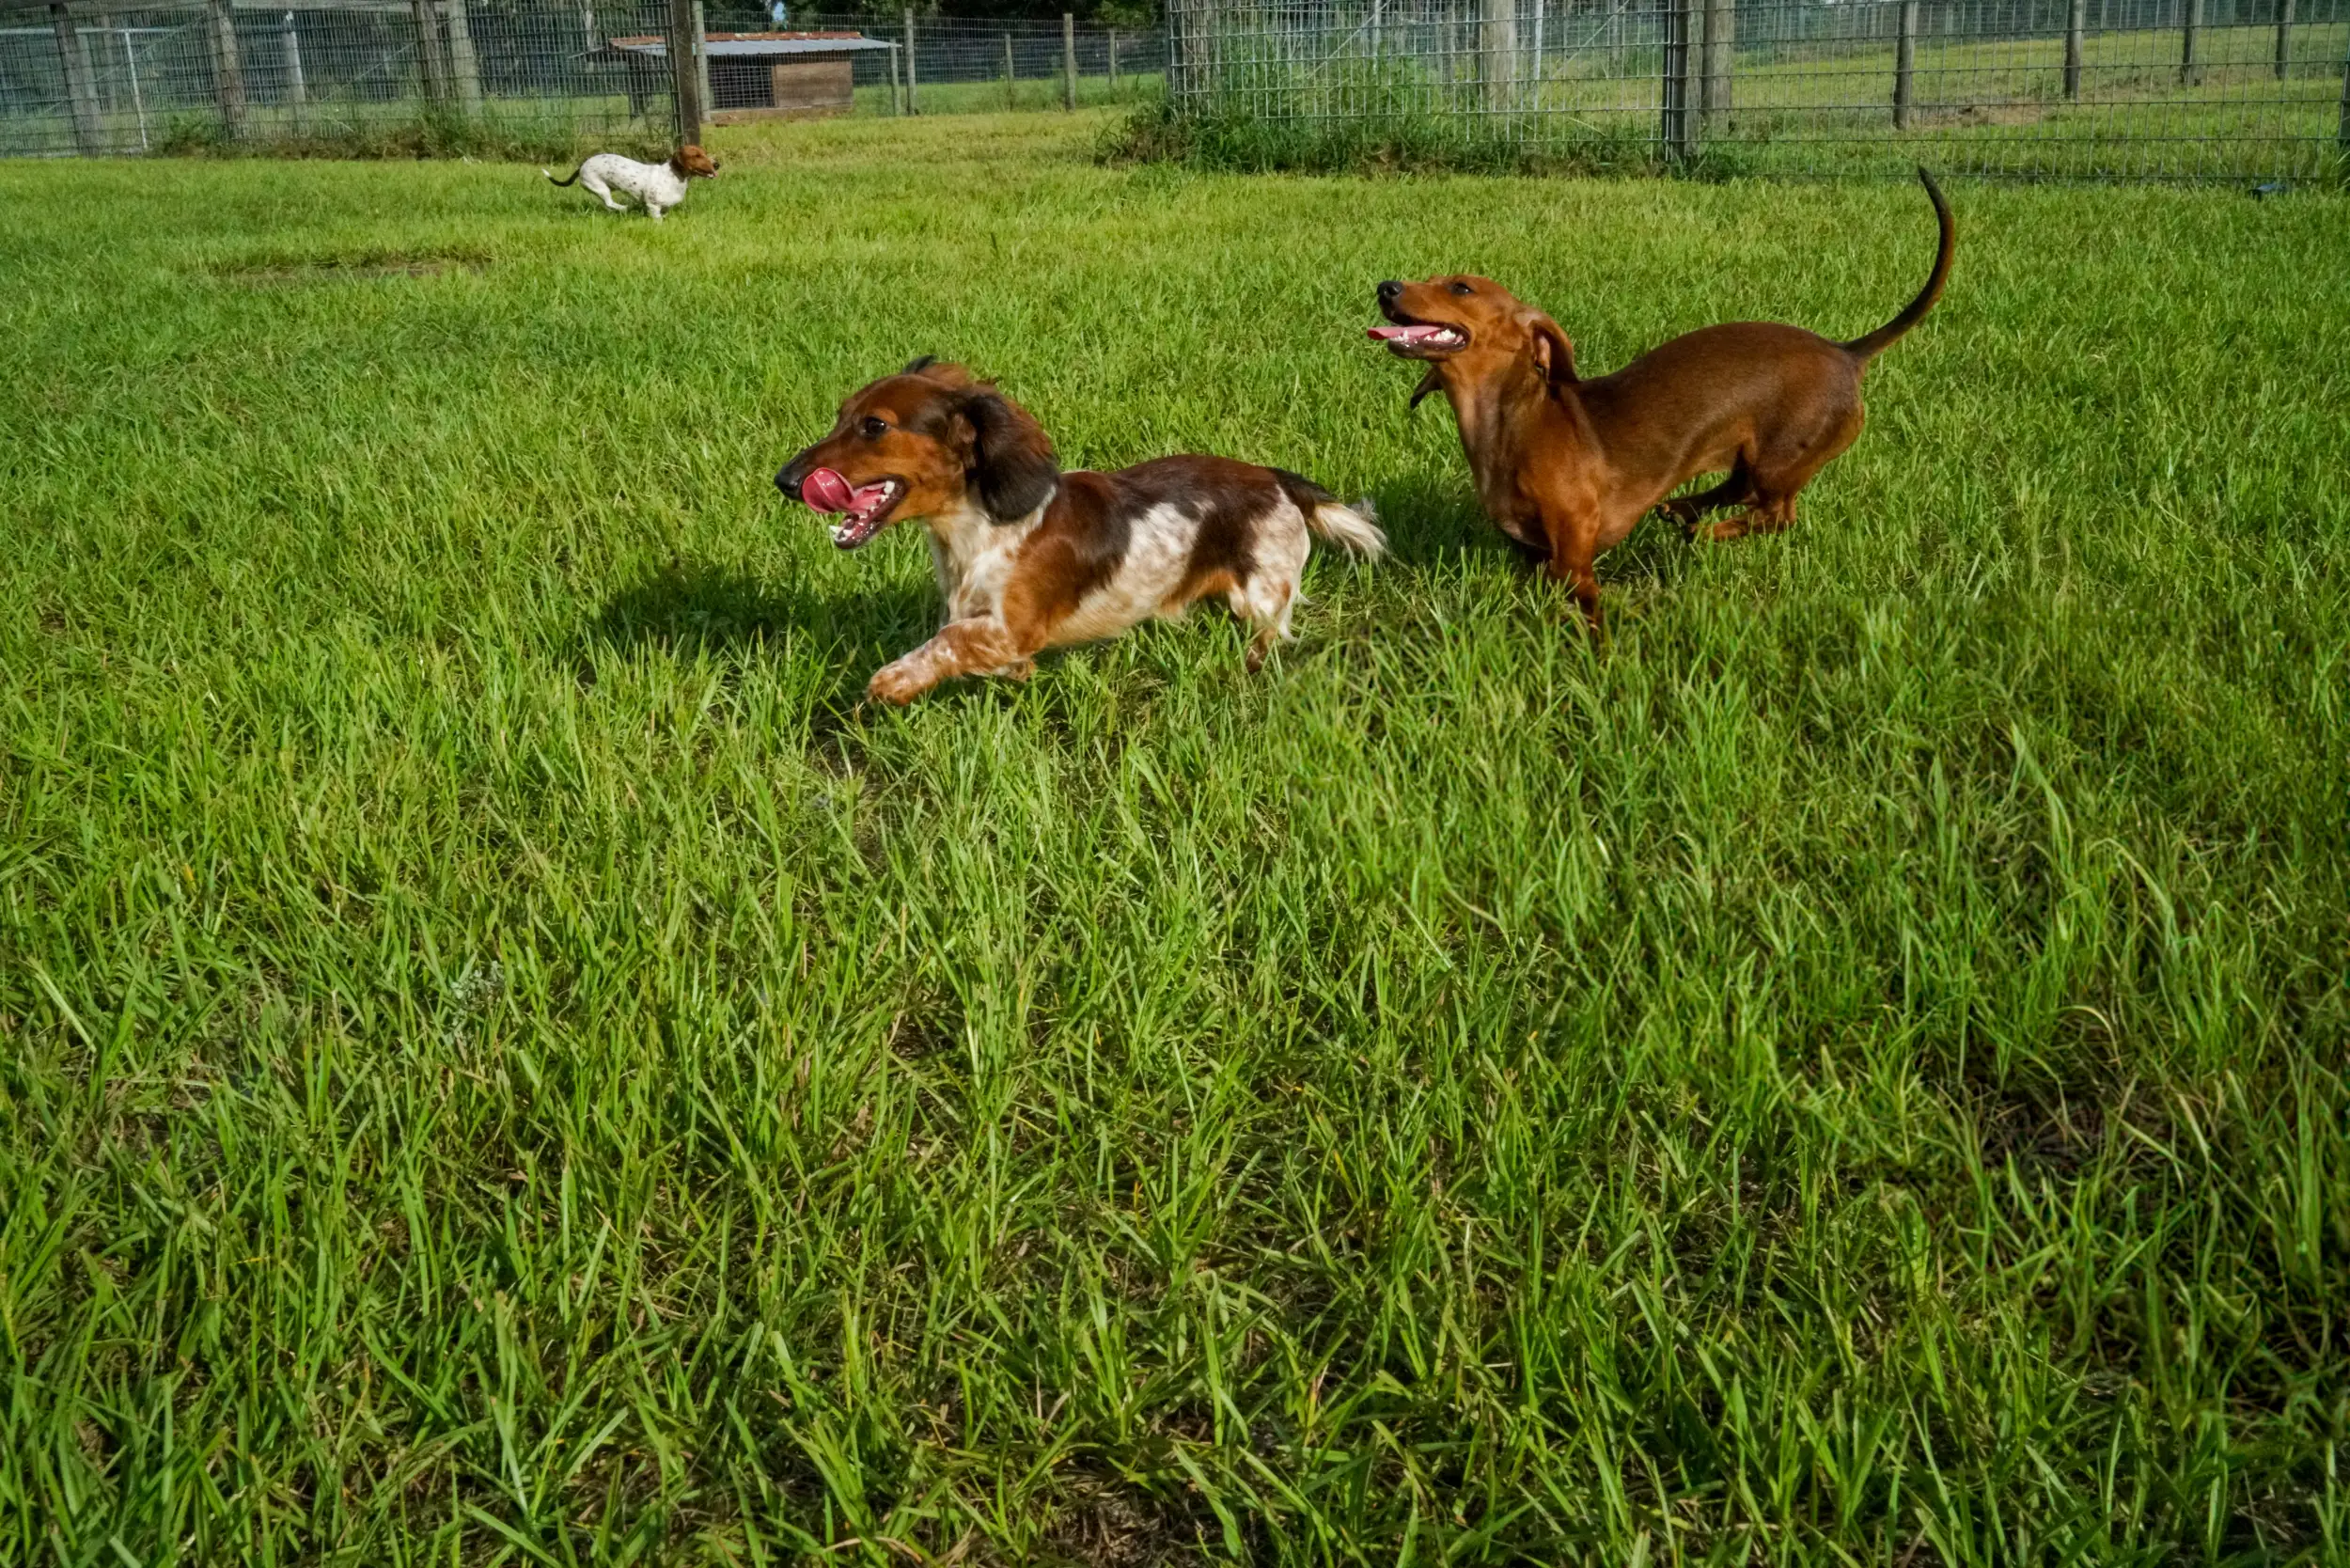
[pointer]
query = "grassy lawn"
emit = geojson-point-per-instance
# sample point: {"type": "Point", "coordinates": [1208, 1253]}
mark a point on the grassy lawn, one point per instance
{"type": "Point", "coordinates": [503, 1058]}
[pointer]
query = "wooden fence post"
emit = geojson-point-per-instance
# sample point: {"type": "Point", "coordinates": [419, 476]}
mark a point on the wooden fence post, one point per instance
{"type": "Point", "coordinates": [685, 79]}
{"type": "Point", "coordinates": [911, 107]}
{"type": "Point", "coordinates": [2342, 121]}
{"type": "Point", "coordinates": [227, 71]}
{"type": "Point", "coordinates": [1721, 39]}
{"type": "Point", "coordinates": [1113, 62]}
{"type": "Point", "coordinates": [2284, 37]}
{"type": "Point", "coordinates": [297, 89]}
{"type": "Point", "coordinates": [1904, 64]}
{"type": "Point", "coordinates": [894, 109]}
{"type": "Point", "coordinates": [2190, 69]}
{"type": "Point", "coordinates": [1679, 127]}
{"type": "Point", "coordinates": [431, 69]}
{"type": "Point", "coordinates": [1009, 102]}
{"type": "Point", "coordinates": [81, 84]}
{"type": "Point", "coordinates": [1069, 60]}
{"type": "Point", "coordinates": [463, 64]}
{"type": "Point", "coordinates": [2075, 20]}
{"type": "Point", "coordinates": [701, 58]}
{"type": "Point", "coordinates": [1499, 49]}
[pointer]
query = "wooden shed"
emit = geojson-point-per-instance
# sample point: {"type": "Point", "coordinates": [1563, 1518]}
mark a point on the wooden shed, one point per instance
{"type": "Point", "coordinates": [771, 75]}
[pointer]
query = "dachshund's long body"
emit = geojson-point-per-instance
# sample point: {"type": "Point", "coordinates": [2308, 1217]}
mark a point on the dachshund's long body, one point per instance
{"type": "Point", "coordinates": [1030, 558]}
{"type": "Point", "coordinates": [1567, 466]}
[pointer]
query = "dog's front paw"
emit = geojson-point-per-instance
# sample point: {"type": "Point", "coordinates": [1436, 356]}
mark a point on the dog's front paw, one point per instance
{"type": "Point", "coordinates": [895, 684]}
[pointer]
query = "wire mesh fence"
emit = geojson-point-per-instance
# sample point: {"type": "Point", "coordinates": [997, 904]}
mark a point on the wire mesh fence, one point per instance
{"type": "Point", "coordinates": [960, 66]}
{"type": "Point", "coordinates": [2048, 88]}
{"type": "Point", "coordinates": [164, 76]}
{"type": "Point", "coordinates": [453, 74]}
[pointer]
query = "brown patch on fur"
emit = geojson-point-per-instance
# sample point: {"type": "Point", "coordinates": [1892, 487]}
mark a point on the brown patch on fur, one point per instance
{"type": "Point", "coordinates": [690, 162]}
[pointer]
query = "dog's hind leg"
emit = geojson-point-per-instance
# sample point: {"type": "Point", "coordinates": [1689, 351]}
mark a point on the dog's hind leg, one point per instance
{"type": "Point", "coordinates": [1264, 599]}
{"type": "Point", "coordinates": [602, 191]}
{"type": "Point", "coordinates": [1265, 602]}
{"type": "Point", "coordinates": [1782, 473]}
{"type": "Point", "coordinates": [1733, 491]}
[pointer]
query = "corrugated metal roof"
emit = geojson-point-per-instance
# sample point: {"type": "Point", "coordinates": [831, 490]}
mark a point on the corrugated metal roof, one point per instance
{"type": "Point", "coordinates": [721, 45]}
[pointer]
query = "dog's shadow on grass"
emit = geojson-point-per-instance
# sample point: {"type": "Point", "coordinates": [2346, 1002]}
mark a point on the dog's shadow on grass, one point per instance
{"type": "Point", "coordinates": [1431, 519]}
{"type": "Point", "coordinates": [685, 608]}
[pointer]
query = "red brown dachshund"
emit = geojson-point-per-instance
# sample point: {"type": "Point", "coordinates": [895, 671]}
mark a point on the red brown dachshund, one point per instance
{"type": "Point", "coordinates": [1567, 466]}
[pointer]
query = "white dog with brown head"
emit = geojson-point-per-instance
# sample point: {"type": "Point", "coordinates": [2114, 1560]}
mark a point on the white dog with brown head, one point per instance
{"type": "Point", "coordinates": [659, 186]}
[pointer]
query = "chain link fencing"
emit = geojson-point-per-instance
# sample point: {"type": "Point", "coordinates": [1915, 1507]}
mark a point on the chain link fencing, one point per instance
{"type": "Point", "coordinates": [2148, 89]}
{"type": "Point", "coordinates": [353, 76]}
{"type": "Point", "coordinates": [961, 66]}
{"type": "Point", "coordinates": [448, 76]}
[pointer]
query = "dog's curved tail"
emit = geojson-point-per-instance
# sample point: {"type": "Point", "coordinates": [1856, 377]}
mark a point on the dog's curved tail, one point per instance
{"type": "Point", "coordinates": [1353, 529]}
{"type": "Point", "coordinates": [1866, 349]}
{"type": "Point", "coordinates": [551, 181]}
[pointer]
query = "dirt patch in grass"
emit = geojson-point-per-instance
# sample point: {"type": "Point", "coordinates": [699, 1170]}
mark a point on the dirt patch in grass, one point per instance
{"type": "Point", "coordinates": [295, 271]}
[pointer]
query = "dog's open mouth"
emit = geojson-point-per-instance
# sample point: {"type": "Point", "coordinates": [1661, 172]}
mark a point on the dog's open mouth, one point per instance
{"type": "Point", "coordinates": [868, 506]}
{"type": "Point", "coordinates": [1420, 340]}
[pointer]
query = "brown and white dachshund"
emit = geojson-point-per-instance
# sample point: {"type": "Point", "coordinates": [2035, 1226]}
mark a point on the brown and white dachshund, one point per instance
{"type": "Point", "coordinates": [1030, 558]}
{"type": "Point", "coordinates": [1567, 466]}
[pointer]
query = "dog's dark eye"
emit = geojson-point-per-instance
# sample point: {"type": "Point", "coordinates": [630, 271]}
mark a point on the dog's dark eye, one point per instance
{"type": "Point", "coordinates": [1462, 289]}
{"type": "Point", "coordinates": [876, 429]}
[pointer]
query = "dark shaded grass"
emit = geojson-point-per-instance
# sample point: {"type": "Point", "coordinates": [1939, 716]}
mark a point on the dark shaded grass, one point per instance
{"type": "Point", "coordinates": [506, 1061]}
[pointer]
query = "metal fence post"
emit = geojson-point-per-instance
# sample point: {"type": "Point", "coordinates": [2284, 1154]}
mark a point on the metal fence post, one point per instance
{"type": "Point", "coordinates": [1722, 37]}
{"type": "Point", "coordinates": [911, 108]}
{"type": "Point", "coordinates": [2076, 20]}
{"type": "Point", "coordinates": [1499, 47]}
{"type": "Point", "coordinates": [463, 64]}
{"type": "Point", "coordinates": [1069, 60]}
{"type": "Point", "coordinates": [2190, 70]}
{"type": "Point", "coordinates": [297, 90]}
{"type": "Point", "coordinates": [81, 84]}
{"type": "Point", "coordinates": [227, 71]}
{"type": "Point", "coordinates": [685, 82]}
{"type": "Point", "coordinates": [1904, 64]}
{"type": "Point", "coordinates": [2284, 37]}
{"type": "Point", "coordinates": [1679, 123]}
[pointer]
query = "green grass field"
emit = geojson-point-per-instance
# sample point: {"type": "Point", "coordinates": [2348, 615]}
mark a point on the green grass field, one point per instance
{"type": "Point", "coordinates": [504, 1059]}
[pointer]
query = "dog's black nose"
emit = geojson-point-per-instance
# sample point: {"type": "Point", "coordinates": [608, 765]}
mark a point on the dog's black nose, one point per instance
{"type": "Point", "coordinates": [1388, 289]}
{"type": "Point", "coordinates": [789, 483]}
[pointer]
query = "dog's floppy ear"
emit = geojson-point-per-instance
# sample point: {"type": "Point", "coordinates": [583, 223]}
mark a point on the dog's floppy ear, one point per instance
{"type": "Point", "coordinates": [919, 363]}
{"type": "Point", "coordinates": [1011, 457]}
{"type": "Point", "coordinates": [1554, 353]}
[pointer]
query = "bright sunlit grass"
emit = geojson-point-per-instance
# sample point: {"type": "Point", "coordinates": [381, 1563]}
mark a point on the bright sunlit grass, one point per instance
{"type": "Point", "coordinates": [503, 1059]}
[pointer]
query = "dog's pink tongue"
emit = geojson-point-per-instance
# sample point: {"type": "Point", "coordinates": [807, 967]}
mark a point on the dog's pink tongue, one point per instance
{"type": "Point", "coordinates": [1403, 334]}
{"type": "Point", "coordinates": [825, 490]}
